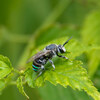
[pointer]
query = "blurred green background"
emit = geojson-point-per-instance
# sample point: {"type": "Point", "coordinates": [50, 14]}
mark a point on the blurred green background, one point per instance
{"type": "Point", "coordinates": [20, 19]}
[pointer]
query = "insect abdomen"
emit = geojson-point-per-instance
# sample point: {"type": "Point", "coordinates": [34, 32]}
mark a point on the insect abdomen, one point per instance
{"type": "Point", "coordinates": [35, 68]}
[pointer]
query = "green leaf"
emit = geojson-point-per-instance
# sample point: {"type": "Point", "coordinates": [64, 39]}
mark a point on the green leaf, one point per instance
{"type": "Point", "coordinates": [20, 86]}
{"type": "Point", "coordinates": [67, 72]}
{"type": "Point", "coordinates": [94, 60]}
{"type": "Point", "coordinates": [91, 36]}
{"type": "Point", "coordinates": [5, 82]}
{"type": "Point", "coordinates": [60, 93]}
{"type": "Point", "coordinates": [91, 29]}
{"type": "Point", "coordinates": [2, 85]}
{"type": "Point", "coordinates": [5, 66]}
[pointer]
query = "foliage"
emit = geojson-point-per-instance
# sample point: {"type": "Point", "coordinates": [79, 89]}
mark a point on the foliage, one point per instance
{"type": "Point", "coordinates": [91, 29]}
{"type": "Point", "coordinates": [29, 27]}
{"type": "Point", "coordinates": [2, 84]}
{"type": "Point", "coordinates": [20, 86]}
{"type": "Point", "coordinates": [5, 66]}
{"type": "Point", "coordinates": [67, 73]}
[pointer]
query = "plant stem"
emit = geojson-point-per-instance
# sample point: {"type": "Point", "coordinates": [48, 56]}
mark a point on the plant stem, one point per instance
{"type": "Point", "coordinates": [16, 38]}
{"type": "Point", "coordinates": [55, 14]}
{"type": "Point", "coordinates": [12, 83]}
{"type": "Point", "coordinates": [18, 72]}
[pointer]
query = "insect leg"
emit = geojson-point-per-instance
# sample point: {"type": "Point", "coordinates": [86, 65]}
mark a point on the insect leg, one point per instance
{"type": "Point", "coordinates": [38, 75]}
{"type": "Point", "coordinates": [42, 68]}
{"type": "Point", "coordinates": [52, 63]}
{"type": "Point", "coordinates": [62, 56]}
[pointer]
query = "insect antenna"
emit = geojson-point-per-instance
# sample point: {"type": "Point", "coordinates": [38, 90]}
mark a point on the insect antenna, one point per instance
{"type": "Point", "coordinates": [67, 41]}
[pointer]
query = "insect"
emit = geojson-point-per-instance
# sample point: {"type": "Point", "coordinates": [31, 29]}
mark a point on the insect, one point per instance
{"type": "Point", "coordinates": [42, 57]}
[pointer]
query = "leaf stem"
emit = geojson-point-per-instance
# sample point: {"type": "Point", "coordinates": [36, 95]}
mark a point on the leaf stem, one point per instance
{"type": "Point", "coordinates": [14, 83]}
{"type": "Point", "coordinates": [18, 72]}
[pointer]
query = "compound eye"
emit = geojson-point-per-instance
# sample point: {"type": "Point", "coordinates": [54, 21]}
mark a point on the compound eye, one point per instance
{"type": "Point", "coordinates": [63, 48]}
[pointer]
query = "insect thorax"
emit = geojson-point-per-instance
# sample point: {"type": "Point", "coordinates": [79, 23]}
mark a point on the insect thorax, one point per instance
{"type": "Point", "coordinates": [51, 47]}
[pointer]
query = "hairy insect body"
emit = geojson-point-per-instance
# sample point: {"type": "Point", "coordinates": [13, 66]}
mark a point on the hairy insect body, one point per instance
{"type": "Point", "coordinates": [38, 62]}
{"type": "Point", "coordinates": [41, 58]}
{"type": "Point", "coordinates": [52, 47]}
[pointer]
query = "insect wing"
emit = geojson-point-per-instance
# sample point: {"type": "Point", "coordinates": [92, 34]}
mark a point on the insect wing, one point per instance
{"type": "Point", "coordinates": [38, 55]}
{"type": "Point", "coordinates": [30, 59]}
{"type": "Point", "coordinates": [42, 53]}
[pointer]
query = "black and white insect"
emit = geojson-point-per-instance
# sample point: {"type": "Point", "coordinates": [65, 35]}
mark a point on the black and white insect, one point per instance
{"type": "Point", "coordinates": [42, 57]}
